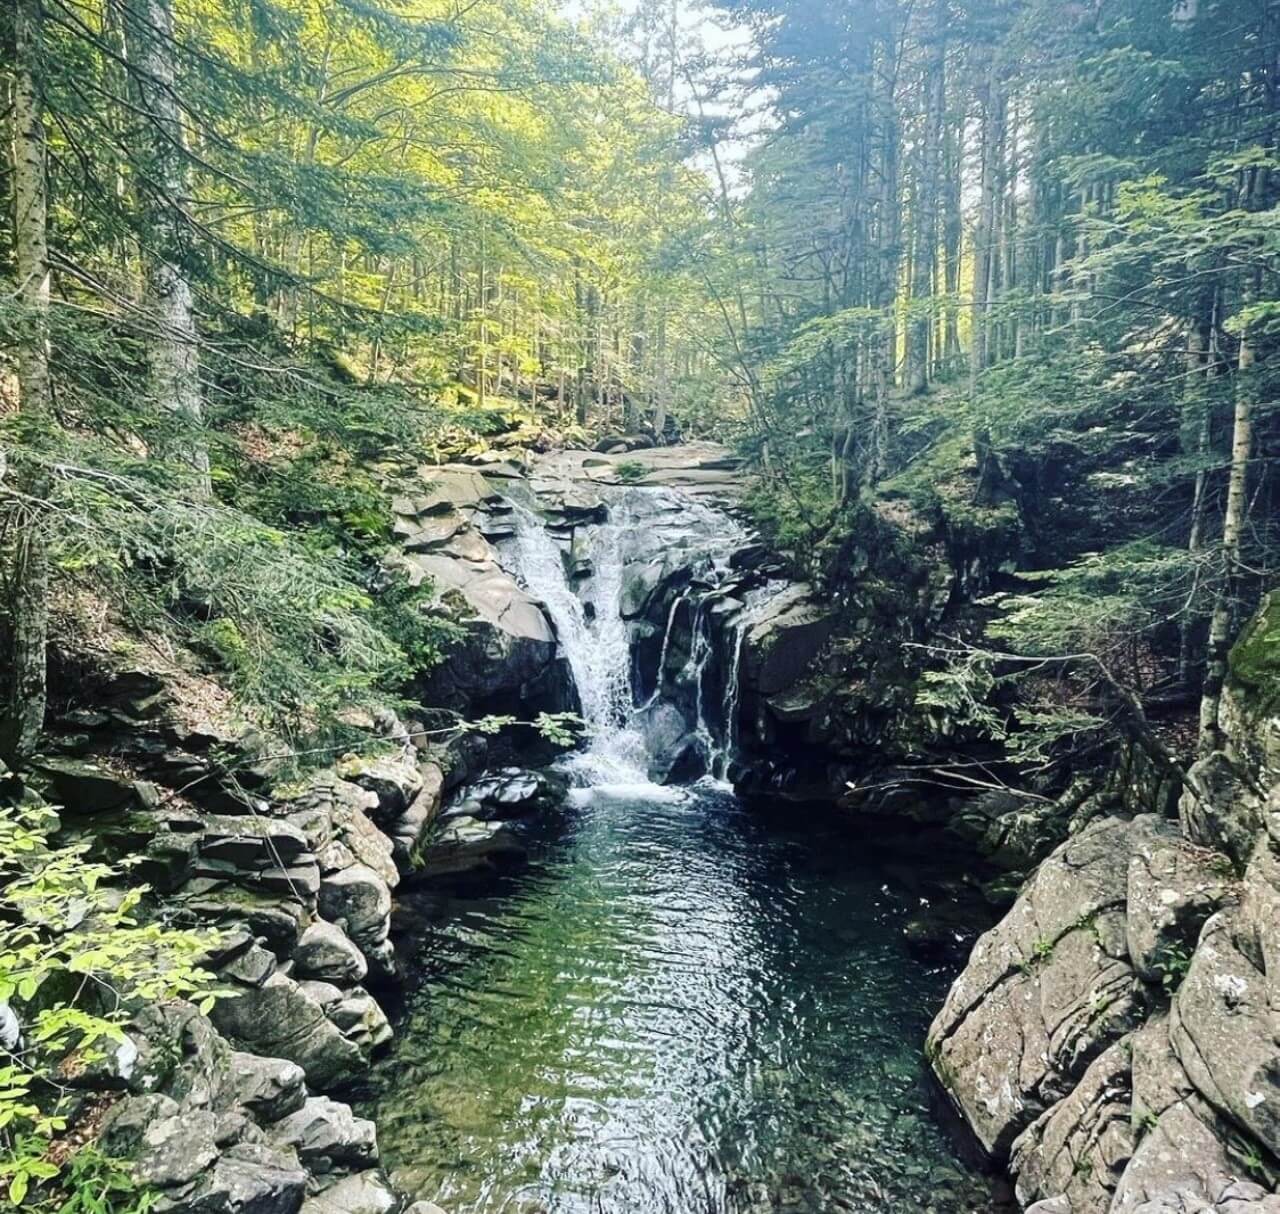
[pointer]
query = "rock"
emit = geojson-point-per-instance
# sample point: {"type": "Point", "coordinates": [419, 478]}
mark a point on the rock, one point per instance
{"type": "Point", "coordinates": [181, 1055]}
{"type": "Point", "coordinates": [81, 786]}
{"type": "Point", "coordinates": [279, 925]}
{"type": "Point", "coordinates": [784, 639]}
{"type": "Point", "coordinates": [269, 1088]}
{"type": "Point", "coordinates": [176, 1149]}
{"type": "Point", "coordinates": [251, 967]}
{"type": "Point", "coordinates": [324, 952]}
{"type": "Point", "coordinates": [248, 1179]}
{"type": "Point", "coordinates": [424, 1207]}
{"type": "Point", "coordinates": [464, 844]}
{"type": "Point", "coordinates": [280, 1020]}
{"type": "Point", "coordinates": [326, 1134]}
{"type": "Point", "coordinates": [1044, 993]}
{"type": "Point", "coordinates": [1180, 1166]}
{"type": "Point", "coordinates": [364, 1193]}
{"type": "Point", "coordinates": [1223, 1028]}
{"type": "Point", "coordinates": [360, 1019]}
{"type": "Point", "coordinates": [1173, 888]}
{"type": "Point", "coordinates": [1081, 1146]}
{"type": "Point", "coordinates": [126, 1122]}
{"type": "Point", "coordinates": [395, 782]}
{"type": "Point", "coordinates": [512, 792]}
{"type": "Point", "coordinates": [251, 842]}
{"type": "Point", "coordinates": [359, 900]}
{"type": "Point", "coordinates": [1228, 814]}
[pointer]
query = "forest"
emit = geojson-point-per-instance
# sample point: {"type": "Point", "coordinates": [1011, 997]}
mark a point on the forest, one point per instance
{"type": "Point", "coordinates": [977, 300]}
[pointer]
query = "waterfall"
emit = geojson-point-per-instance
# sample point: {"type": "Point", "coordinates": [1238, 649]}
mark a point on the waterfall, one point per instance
{"type": "Point", "coordinates": [597, 641]}
{"type": "Point", "coordinates": [596, 644]}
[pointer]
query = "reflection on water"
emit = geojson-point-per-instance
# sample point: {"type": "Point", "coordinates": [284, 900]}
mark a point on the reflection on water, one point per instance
{"type": "Point", "coordinates": [678, 1007]}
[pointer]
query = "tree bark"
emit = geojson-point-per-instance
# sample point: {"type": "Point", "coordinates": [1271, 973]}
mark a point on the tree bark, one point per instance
{"type": "Point", "coordinates": [1232, 529]}
{"type": "Point", "coordinates": [175, 350]}
{"type": "Point", "coordinates": [28, 581]}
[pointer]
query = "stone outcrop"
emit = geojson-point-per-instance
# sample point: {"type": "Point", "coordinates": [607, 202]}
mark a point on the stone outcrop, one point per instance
{"type": "Point", "coordinates": [1140, 1074]}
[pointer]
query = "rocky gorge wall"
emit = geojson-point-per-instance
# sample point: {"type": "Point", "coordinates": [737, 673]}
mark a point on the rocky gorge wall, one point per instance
{"type": "Point", "coordinates": [1115, 1040]}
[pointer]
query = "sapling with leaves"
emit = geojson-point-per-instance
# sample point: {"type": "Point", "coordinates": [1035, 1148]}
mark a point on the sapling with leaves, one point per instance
{"type": "Point", "coordinates": [79, 956]}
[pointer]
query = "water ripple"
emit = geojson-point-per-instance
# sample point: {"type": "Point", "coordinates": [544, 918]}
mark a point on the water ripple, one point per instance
{"type": "Point", "coordinates": [675, 1008]}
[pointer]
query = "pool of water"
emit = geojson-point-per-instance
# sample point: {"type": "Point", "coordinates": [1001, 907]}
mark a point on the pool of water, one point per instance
{"type": "Point", "coordinates": [680, 1005]}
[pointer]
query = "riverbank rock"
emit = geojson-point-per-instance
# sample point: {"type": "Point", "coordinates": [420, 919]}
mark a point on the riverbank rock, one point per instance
{"type": "Point", "coordinates": [1168, 1101]}
{"type": "Point", "coordinates": [1044, 992]}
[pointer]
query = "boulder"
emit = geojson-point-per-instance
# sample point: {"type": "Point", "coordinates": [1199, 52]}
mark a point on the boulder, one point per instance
{"type": "Point", "coordinates": [325, 952]}
{"type": "Point", "coordinates": [395, 782]}
{"type": "Point", "coordinates": [365, 1193]}
{"type": "Point", "coordinates": [358, 900]}
{"type": "Point", "coordinates": [784, 639]}
{"type": "Point", "coordinates": [512, 792]}
{"type": "Point", "coordinates": [81, 786]}
{"type": "Point", "coordinates": [250, 842]}
{"type": "Point", "coordinates": [269, 1088]}
{"type": "Point", "coordinates": [1173, 888]}
{"type": "Point", "coordinates": [360, 1019]}
{"type": "Point", "coordinates": [327, 1134]}
{"type": "Point", "coordinates": [465, 844]}
{"type": "Point", "coordinates": [1224, 1028]}
{"type": "Point", "coordinates": [1044, 993]}
{"type": "Point", "coordinates": [248, 1178]}
{"type": "Point", "coordinates": [279, 1019]}
{"type": "Point", "coordinates": [174, 1150]}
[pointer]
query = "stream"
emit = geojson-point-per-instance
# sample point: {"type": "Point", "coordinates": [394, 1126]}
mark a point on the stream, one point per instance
{"type": "Point", "coordinates": [679, 1004]}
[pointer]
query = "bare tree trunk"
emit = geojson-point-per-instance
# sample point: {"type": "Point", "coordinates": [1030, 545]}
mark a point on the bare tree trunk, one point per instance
{"type": "Point", "coordinates": [175, 352]}
{"type": "Point", "coordinates": [1232, 529]}
{"type": "Point", "coordinates": [28, 581]}
{"type": "Point", "coordinates": [924, 250]}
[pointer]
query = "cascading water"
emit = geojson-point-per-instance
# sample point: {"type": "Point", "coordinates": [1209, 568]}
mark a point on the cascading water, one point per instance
{"type": "Point", "coordinates": [596, 645]}
{"type": "Point", "coordinates": [681, 534]}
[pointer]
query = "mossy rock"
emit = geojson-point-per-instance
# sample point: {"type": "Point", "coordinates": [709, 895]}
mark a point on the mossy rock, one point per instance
{"type": "Point", "coordinates": [1255, 660]}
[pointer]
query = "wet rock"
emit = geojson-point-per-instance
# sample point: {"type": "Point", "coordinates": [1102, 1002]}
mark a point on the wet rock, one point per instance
{"type": "Point", "coordinates": [513, 792]}
{"type": "Point", "coordinates": [1044, 993]}
{"type": "Point", "coordinates": [1080, 1147]}
{"type": "Point", "coordinates": [327, 1134]}
{"type": "Point", "coordinates": [364, 1193]}
{"type": "Point", "coordinates": [465, 844]}
{"type": "Point", "coordinates": [786, 637]}
{"type": "Point", "coordinates": [269, 1088]}
{"type": "Point", "coordinates": [325, 953]}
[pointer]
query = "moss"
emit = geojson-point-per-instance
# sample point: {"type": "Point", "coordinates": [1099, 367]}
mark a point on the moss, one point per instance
{"type": "Point", "coordinates": [1255, 658]}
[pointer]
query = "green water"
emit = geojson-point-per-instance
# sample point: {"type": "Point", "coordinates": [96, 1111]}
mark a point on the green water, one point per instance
{"type": "Point", "coordinates": [679, 1006]}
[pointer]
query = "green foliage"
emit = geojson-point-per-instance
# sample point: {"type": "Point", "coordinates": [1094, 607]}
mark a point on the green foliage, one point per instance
{"type": "Point", "coordinates": [77, 958]}
{"type": "Point", "coordinates": [628, 471]}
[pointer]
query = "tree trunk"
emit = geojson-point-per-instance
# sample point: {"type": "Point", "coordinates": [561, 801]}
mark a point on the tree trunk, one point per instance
{"type": "Point", "coordinates": [1232, 529]}
{"type": "Point", "coordinates": [175, 352]}
{"type": "Point", "coordinates": [28, 581]}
